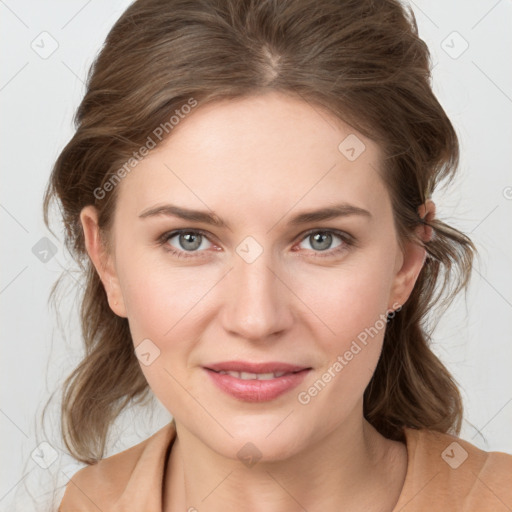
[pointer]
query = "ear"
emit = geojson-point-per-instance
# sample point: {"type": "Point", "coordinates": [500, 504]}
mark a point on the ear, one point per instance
{"type": "Point", "coordinates": [102, 259]}
{"type": "Point", "coordinates": [411, 260]}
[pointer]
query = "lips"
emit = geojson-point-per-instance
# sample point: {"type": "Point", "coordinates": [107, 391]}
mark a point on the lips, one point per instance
{"type": "Point", "coordinates": [256, 382]}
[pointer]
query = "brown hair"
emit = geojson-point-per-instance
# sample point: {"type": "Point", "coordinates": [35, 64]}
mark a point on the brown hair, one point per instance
{"type": "Point", "coordinates": [360, 59]}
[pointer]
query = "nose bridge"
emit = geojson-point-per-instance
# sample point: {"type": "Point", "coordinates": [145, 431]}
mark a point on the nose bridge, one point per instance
{"type": "Point", "coordinates": [258, 302]}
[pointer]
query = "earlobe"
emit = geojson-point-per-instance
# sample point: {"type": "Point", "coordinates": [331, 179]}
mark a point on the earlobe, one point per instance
{"type": "Point", "coordinates": [102, 259]}
{"type": "Point", "coordinates": [406, 277]}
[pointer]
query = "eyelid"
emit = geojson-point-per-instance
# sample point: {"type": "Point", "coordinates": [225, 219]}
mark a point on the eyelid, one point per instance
{"type": "Point", "coordinates": [338, 232]}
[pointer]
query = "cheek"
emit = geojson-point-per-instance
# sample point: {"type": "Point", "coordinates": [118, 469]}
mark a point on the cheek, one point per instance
{"type": "Point", "coordinates": [160, 301]}
{"type": "Point", "coordinates": [347, 299]}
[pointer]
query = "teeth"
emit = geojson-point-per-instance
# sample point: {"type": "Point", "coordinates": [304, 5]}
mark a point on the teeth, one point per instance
{"type": "Point", "coordinates": [253, 376]}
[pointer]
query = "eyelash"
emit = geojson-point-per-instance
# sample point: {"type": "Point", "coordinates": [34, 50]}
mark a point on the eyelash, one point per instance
{"type": "Point", "coordinates": [347, 242]}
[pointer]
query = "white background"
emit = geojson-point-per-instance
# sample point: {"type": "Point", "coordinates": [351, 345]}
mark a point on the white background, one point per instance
{"type": "Point", "coordinates": [38, 97]}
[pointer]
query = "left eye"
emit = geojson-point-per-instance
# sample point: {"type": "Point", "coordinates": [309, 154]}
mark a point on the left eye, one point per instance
{"type": "Point", "coordinates": [322, 240]}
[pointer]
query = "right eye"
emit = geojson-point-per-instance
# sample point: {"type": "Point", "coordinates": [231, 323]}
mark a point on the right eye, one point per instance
{"type": "Point", "coordinates": [186, 242]}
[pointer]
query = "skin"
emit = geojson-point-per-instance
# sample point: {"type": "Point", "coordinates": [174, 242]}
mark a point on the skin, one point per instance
{"type": "Point", "coordinates": [256, 162]}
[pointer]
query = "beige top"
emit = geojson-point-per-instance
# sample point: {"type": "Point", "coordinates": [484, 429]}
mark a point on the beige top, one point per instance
{"type": "Point", "coordinates": [444, 473]}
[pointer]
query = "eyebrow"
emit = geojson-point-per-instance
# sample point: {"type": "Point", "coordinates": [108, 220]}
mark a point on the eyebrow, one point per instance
{"type": "Point", "coordinates": [331, 212]}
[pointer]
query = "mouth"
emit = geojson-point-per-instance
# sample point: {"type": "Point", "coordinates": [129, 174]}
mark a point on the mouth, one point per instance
{"type": "Point", "coordinates": [256, 382]}
{"type": "Point", "coordinates": [256, 368]}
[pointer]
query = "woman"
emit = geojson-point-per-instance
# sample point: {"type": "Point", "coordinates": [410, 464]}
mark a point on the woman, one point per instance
{"type": "Point", "coordinates": [249, 191]}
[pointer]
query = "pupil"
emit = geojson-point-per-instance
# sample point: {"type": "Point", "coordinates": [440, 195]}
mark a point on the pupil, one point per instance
{"type": "Point", "coordinates": [326, 237]}
{"type": "Point", "coordinates": [190, 238]}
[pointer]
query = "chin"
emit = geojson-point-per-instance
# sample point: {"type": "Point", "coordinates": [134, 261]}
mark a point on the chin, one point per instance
{"type": "Point", "coordinates": [263, 439]}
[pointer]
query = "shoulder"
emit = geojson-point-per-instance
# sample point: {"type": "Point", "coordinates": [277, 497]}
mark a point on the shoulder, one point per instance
{"type": "Point", "coordinates": [120, 478]}
{"type": "Point", "coordinates": [447, 471]}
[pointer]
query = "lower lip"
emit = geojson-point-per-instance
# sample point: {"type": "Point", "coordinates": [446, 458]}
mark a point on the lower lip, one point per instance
{"type": "Point", "coordinates": [257, 390]}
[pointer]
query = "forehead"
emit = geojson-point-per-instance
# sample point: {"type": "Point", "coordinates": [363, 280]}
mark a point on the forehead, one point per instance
{"type": "Point", "coordinates": [258, 152]}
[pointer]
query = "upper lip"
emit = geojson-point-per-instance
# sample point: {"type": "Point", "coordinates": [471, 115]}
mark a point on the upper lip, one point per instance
{"type": "Point", "coordinates": [246, 366]}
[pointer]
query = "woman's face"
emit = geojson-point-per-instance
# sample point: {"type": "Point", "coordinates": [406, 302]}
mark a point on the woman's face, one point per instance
{"type": "Point", "coordinates": [265, 283]}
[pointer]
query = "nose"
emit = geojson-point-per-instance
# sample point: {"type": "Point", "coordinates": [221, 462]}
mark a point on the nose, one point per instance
{"type": "Point", "coordinates": [258, 305]}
